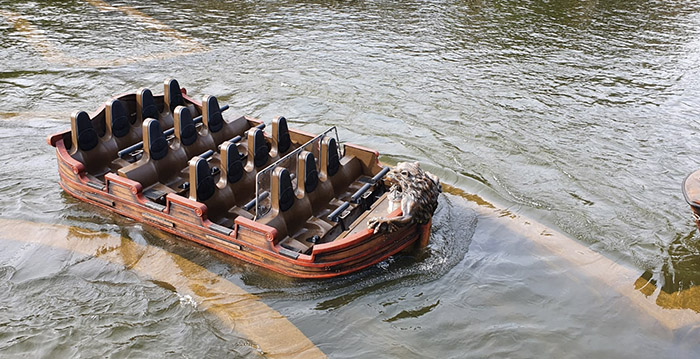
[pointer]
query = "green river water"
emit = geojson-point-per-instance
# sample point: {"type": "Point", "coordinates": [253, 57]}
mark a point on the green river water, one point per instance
{"type": "Point", "coordinates": [583, 115]}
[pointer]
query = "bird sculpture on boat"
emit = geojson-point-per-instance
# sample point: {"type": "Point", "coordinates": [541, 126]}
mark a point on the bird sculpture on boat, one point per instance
{"type": "Point", "coordinates": [416, 190]}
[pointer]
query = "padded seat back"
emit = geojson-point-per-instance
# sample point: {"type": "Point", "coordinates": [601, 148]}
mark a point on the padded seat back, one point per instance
{"type": "Point", "coordinates": [202, 185]}
{"type": "Point", "coordinates": [116, 118]}
{"type": "Point", "coordinates": [258, 153]}
{"type": "Point", "coordinates": [83, 133]}
{"type": "Point", "coordinates": [282, 190]}
{"type": "Point", "coordinates": [155, 145]}
{"type": "Point", "coordinates": [204, 189]}
{"type": "Point", "coordinates": [218, 128]}
{"type": "Point", "coordinates": [211, 114]}
{"type": "Point", "coordinates": [238, 180]}
{"type": "Point", "coordinates": [340, 172]}
{"type": "Point", "coordinates": [145, 105]}
{"type": "Point", "coordinates": [330, 160]}
{"type": "Point", "coordinates": [186, 133]}
{"type": "Point", "coordinates": [318, 193]}
{"type": "Point", "coordinates": [306, 172]}
{"type": "Point", "coordinates": [281, 142]}
{"type": "Point", "coordinates": [172, 95]}
{"type": "Point", "coordinates": [231, 164]}
{"type": "Point", "coordinates": [119, 126]}
{"type": "Point", "coordinates": [87, 147]}
{"type": "Point", "coordinates": [289, 213]}
{"type": "Point", "coordinates": [159, 163]}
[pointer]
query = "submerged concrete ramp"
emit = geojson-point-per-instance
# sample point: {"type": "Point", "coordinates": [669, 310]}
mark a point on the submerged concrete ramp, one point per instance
{"type": "Point", "coordinates": [274, 335]}
{"type": "Point", "coordinates": [673, 311]}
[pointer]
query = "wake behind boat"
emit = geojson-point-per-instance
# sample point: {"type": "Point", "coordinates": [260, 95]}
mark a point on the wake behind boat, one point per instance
{"type": "Point", "coordinates": [297, 203]}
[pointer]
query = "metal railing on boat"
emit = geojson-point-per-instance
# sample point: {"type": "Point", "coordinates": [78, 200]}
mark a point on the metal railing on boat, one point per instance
{"type": "Point", "coordinates": [263, 177]}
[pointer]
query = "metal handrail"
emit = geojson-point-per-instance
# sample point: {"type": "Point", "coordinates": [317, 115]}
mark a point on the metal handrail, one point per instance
{"type": "Point", "coordinates": [272, 166]}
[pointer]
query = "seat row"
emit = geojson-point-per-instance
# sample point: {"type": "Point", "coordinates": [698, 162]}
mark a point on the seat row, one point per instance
{"type": "Point", "coordinates": [96, 141]}
{"type": "Point", "coordinates": [300, 200]}
{"type": "Point", "coordinates": [111, 140]}
{"type": "Point", "coordinates": [163, 160]}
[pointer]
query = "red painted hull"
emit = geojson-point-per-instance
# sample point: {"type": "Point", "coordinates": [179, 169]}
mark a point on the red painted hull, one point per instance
{"type": "Point", "coordinates": [246, 240]}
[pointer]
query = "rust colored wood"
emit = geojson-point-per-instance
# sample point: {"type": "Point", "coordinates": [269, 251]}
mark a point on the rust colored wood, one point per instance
{"type": "Point", "coordinates": [318, 248]}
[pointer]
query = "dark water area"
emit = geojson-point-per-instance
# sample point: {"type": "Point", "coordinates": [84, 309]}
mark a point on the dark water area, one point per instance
{"type": "Point", "coordinates": [582, 115]}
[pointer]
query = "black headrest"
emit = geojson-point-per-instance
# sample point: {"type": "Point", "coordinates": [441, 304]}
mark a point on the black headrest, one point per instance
{"type": "Point", "coordinates": [311, 174]}
{"type": "Point", "coordinates": [158, 144]}
{"type": "Point", "coordinates": [86, 134]}
{"type": "Point", "coordinates": [215, 120]}
{"type": "Point", "coordinates": [148, 104]}
{"type": "Point", "coordinates": [183, 119]}
{"type": "Point", "coordinates": [234, 166]}
{"type": "Point", "coordinates": [283, 140]}
{"type": "Point", "coordinates": [205, 181]}
{"type": "Point", "coordinates": [261, 153]}
{"type": "Point", "coordinates": [175, 95]}
{"type": "Point", "coordinates": [286, 191]}
{"type": "Point", "coordinates": [119, 119]}
{"type": "Point", "coordinates": [333, 160]}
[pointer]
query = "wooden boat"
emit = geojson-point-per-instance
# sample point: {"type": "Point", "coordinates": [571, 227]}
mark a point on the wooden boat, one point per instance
{"type": "Point", "coordinates": [691, 192]}
{"type": "Point", "coordinates": [290, 201]}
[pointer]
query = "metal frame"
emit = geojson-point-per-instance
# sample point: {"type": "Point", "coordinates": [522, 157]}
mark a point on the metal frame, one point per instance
{"type": "Point", "coordinates": [268, 170]}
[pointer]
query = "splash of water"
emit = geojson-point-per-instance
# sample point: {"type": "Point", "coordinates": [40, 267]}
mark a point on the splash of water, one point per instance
{"type": "Point", "coordinates": [453, 227]}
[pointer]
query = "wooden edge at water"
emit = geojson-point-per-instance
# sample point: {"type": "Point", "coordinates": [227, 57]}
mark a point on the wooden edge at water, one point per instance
{"type": "Point", "coordinates": [274, 335]}
{"type": "Point", "coordinates": [673, 311]}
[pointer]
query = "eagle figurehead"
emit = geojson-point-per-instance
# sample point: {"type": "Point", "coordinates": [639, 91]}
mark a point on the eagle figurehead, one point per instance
{"type": "Point", "coordinates": [418, 192]}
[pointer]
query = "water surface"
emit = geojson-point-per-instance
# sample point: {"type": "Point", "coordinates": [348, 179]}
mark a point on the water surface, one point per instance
{"type": "Point", "coordinates": [579, 114]}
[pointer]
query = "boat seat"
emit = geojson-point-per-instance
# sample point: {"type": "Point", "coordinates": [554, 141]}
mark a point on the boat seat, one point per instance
{"type": "Point", "coordinates": [330, 160]}
{"type": "Point", "coordinates": [234, 175]}
{"type": "Point", "coordinates": [159, 162]}
{"type": "Point", "coordinates": [88, 147]}
{"type": "Point", "coordinates": [220, 129]}
{"type": "Point", "coordinates": [341, 172]}
{"type": "Point", "coordinates": [203, 189]}
{"type": "Point", "coordinates": [318, 193]}
{"type": "Point", "coordinates": [285, 191]}
{"type": "Point", "coordinates": [84, 135]}
{"type": "Point", "coordinates": [287, 214]}
{"type": "Point", "coordinates": [146, 106]}
{"type": "Point", "coordinates": [200, 176]}
{"type": "Point", "coordinates": [118, 125]}
{"type": "Point", "coordinates": [211, 116]}
{"type": "Point", "coordinates": [295, 245]}
{"type": "Point", "coordinates": [281, 142]}
{"type": "Point", "coordinates": [231, 164]}
{"type": "Point", "coordinates": [187, 135]}
{"type": "Point", "coordinates": [258, 153]}
{"type": "Point", "coordinates": [172, 95]}
{"type": "Point", "coordinates": [172, 98]}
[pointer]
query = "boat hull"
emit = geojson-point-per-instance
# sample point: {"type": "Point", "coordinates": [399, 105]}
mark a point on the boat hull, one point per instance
{"type": "Point", "coordinates": [248, 240]}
